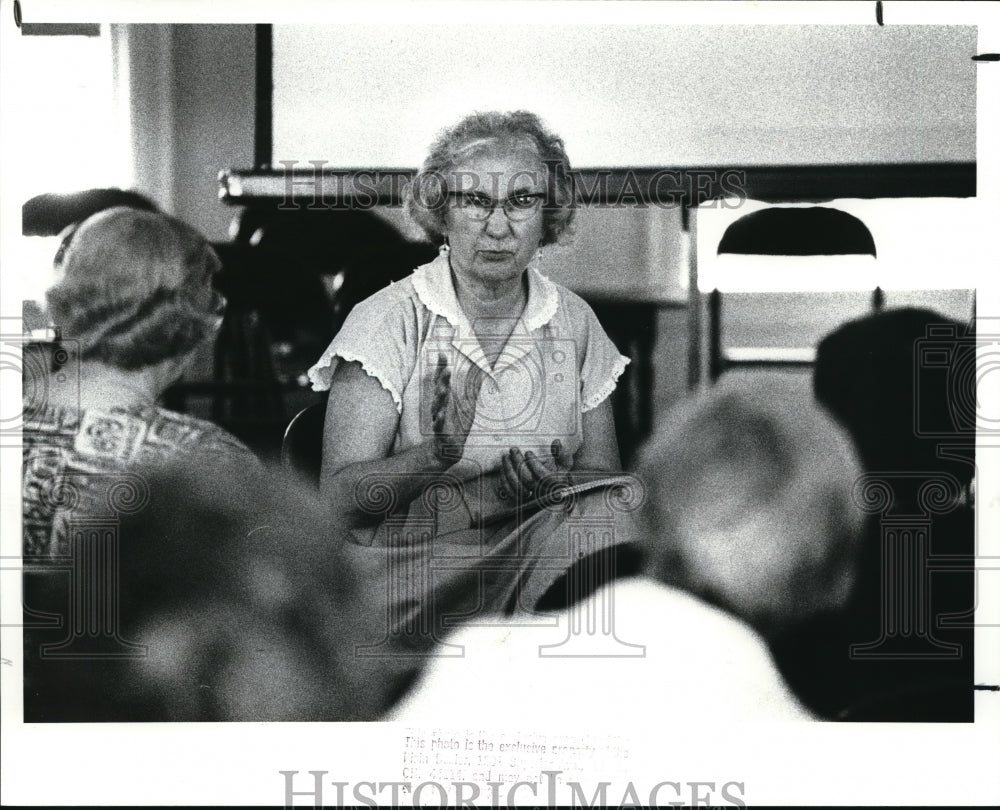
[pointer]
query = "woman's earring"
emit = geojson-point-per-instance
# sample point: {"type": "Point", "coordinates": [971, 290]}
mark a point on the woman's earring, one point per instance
{"type": "Point", "coordinates": [445, 248]}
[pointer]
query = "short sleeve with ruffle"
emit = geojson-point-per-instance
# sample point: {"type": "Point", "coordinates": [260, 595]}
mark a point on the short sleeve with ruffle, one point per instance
{"type": "Point", "coordinates": [379, 336]}
{"type": "Point", "coordinates": [602, 364]}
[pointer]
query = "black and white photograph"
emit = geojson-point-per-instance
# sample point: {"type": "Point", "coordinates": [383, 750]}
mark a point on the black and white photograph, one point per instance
{"type": "Point", "coordinates": [479, 404]}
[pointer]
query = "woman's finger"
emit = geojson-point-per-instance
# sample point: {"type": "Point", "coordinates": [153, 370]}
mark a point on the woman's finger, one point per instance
{"type": "Point", "coordinates": [536, 467]}
{"type": "Point", "coordinates": [563, 460]}
{"type": "Point", "coordinates": [509, 474]}
{"type": "Point", "coordinates": [524, 475]}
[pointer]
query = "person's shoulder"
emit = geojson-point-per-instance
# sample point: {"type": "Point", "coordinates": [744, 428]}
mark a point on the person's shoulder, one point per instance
{"type": "Point", "coordinates": [397, 300]}
{"type": "Point", "coordinates": [486, 655]}
{"type": "Point", "coordinates": [564, 295]}
{"type": "Point", "coordinates": [694, 614]}
{"type": "Point", "coordinates": [676, 617]}
{"type": "Point", "coordinates": [575, 318]}
{"type": "Point", "coordinates": [393, 293]}
{"type": "Point", "coordinates": [183, 432]}
{"type": "Point", "coordinates": [667, 620]}
{"type": "Point", "coordinates": [572, 304]}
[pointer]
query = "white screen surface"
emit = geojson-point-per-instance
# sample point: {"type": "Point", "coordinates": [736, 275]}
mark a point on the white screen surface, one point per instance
{"type": "Point", "coordinates": [623, 95]}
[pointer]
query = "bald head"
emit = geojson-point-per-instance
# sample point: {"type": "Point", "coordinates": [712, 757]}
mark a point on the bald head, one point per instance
{"type": "Point", "coordinates": [750, 501]}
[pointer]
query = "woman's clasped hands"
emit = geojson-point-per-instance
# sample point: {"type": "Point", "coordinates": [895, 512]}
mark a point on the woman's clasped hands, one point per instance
{"type": "Point", "coordinates": [525, 475]}
{"type": "Point", "coordinates": [528, 475]}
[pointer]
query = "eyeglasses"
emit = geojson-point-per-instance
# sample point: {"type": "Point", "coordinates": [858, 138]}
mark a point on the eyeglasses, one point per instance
{"type": "Point", "coordinates": [517, 207]}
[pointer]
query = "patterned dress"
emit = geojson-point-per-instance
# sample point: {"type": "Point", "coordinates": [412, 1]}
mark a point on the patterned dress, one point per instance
{"type": "Point", "coordinates": [81, 465]}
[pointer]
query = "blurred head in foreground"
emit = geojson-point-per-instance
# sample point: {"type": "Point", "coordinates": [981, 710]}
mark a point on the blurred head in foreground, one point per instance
{"type": "Point", "coordinates": [249, 605]}
{"type": "Point", "coordinates": [750, 502]}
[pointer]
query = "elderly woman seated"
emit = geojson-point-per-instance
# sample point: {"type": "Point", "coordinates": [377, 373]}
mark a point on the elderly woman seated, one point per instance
{"type": "Point", "coordinates": [466, 394]}
{"type": "Point", "coordinates": [133, 303]}
{"type": "Point", "coordinates": [748, 529]}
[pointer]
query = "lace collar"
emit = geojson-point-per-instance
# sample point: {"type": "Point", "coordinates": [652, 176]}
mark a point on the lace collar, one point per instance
{"type": "Point", "coordinates": [433, 285]}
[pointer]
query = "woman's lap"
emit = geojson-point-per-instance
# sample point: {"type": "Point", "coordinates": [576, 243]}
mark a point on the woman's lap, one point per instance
{"type": "Point", "coordinates": [467, 576]}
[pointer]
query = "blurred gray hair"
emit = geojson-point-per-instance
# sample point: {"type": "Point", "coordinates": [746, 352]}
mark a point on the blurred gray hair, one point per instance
{"type": "Point", "coordinates": [750, 501]}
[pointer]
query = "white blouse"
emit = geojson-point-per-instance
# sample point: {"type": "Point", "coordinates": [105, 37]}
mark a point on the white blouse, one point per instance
{"type": "Point", "coordinates": [557, 364]}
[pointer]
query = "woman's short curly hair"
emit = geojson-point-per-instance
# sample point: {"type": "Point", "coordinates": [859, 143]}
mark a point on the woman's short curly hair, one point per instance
{"type": "Point", "coordinates": [425, 199]}
{"type": "Point", "coordinates": [134, 288]}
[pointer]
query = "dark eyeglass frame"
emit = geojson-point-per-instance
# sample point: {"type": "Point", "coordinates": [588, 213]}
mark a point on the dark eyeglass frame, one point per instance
{"type": "Point", "coordinates": [480, 207]}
